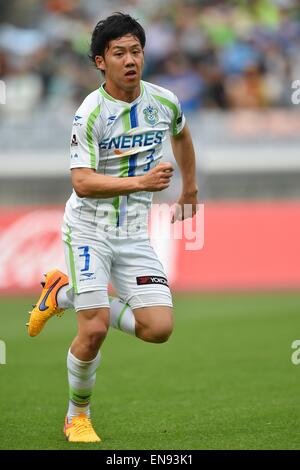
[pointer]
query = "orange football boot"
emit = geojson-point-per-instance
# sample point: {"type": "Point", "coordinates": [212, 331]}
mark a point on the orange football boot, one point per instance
{"type": "Point", "coordinates": [80, 429]}
{"type": "Point", "coordinates": [46, 306]}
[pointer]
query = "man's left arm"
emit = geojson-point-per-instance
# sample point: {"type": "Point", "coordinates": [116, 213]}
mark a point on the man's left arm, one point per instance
{"type": "Point", "coordinates": [184, 154]}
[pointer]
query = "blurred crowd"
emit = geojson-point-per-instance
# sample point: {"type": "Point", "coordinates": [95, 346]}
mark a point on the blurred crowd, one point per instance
{"type": "Point", "coordinates": [212, 54]}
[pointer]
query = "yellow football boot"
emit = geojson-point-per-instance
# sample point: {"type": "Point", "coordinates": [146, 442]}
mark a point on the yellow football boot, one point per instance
{"type": "Point", "coordinates": [46, 306]}
{"type": "Point", "coordinates": [80, 429]}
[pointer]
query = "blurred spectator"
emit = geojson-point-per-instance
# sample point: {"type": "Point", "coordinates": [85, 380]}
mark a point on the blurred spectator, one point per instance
{"type": "Point", "coordinates": [246, 90]}
{"type": "Point", "coordinates": [177, 74]}
{"type": "Point", "coordinates": [210, 53]}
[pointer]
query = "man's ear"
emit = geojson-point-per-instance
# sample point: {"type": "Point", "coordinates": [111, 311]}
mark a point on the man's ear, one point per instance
{"type": "Point", "coordinates": [100, 63]}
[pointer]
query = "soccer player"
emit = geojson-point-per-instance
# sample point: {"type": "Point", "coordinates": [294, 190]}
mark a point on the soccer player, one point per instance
{"type": "Point", "coordinates": [116, 148]}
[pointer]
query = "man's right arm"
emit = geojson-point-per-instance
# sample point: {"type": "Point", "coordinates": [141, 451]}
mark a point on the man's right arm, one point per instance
{"type": "Point", "coordinates": [88, 183]}
{"type": "Point", "coordinates": [87, 132]}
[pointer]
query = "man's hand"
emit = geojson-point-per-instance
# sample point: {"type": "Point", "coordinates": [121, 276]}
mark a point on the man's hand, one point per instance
{"type": "Point", "coordinates": [158, 178]}
{"type": "Point", "coordinates": [185, 207]}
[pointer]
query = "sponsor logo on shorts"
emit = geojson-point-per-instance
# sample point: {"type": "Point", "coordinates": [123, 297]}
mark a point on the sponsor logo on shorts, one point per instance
{"type": "Point", "coordinates": [87, 277]}
{"type": "Point", "coordinates": [141, 280]}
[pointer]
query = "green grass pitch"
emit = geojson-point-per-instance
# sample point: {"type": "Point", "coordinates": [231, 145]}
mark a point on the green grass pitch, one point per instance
{"type": "Point", "coordinates": [224, 380]}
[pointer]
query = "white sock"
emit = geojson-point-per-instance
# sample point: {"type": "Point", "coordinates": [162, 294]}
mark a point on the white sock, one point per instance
{"type": "Point", "coordinates": [121, 316]}
{"type": "Point", "coordinates": [65, 297]}
{"type": "Point", "coordinates": [82, 377]}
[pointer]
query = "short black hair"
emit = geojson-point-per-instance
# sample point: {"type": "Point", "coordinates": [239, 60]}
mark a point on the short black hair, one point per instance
{"type": "Point", "coordinates": [114, 27]}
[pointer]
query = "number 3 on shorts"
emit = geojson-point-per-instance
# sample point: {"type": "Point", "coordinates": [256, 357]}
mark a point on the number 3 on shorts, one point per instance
{"type": "Point", "coordinates": [85, 254]}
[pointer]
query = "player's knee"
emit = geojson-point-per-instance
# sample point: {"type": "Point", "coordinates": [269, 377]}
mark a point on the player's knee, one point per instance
{"type": "Point", "coordinates": [160, 333]}
{"type": "Point", "coordinates": [94, 337]}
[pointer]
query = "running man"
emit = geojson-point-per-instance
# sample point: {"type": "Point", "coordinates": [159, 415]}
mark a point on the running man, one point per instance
{"type": "Point", "coordinates": [116, 149]}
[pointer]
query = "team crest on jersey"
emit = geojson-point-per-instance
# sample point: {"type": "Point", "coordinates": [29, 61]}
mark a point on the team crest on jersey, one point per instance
{"type": "Point", "coordinates": [151, 115]}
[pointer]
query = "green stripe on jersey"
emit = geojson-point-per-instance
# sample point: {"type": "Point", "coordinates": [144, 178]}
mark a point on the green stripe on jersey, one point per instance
{"type": "Point", "coordinates": [174, 109]}
{"type": "Point", "coordinates": [106, 95]}
{"type": "Point", "coordinates": [114, 215]}
{"type": "Point", "coordinates": [124, 165]}
{"type": "Point", "coordinates": [126, 119]}
{"type": "Point", "coordinates": [89, 133]}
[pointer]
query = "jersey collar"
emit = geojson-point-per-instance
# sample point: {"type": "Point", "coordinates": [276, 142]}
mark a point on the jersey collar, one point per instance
{"type": "Point", "coordinates": [122, 103]}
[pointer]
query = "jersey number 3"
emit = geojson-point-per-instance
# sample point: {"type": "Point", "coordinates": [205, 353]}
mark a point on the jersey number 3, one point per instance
{"type": "Point", "coordinates": [86, 255]}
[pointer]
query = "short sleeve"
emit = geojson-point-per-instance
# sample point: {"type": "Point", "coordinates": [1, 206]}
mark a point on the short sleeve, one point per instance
{"type": "Point", "coordinates": [86, 135]}
{"type": "Point", "coordinates": [178, 122]}
{"type": "Point", "coordinates": [172, 108]}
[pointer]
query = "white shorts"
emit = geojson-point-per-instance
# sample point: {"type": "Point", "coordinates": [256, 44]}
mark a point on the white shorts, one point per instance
{"type": "Point", "coordinates": [130, 264]}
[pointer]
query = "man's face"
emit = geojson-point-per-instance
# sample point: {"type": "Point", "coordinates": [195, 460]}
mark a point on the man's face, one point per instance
{"type": "Point", "coordinates": [123, 62]}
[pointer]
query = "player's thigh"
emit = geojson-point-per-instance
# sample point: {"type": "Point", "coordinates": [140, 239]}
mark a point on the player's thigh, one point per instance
{"type": "Point", "coordinates": [88, 261]}
{"type": "Point", "coordinates": [139, 277]}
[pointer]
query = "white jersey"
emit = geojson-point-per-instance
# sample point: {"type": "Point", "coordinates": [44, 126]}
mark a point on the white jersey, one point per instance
{"type": "Point", "coordinates": [121, 139]}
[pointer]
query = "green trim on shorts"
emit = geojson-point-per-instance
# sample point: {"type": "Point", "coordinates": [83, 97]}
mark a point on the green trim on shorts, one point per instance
{"type": "Point", "coordinates": [71, 259]}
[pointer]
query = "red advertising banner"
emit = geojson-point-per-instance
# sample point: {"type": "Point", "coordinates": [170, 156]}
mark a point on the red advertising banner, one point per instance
{"type": "Point", "coordinates": [236, 246]}
{"type": "Point", "coordinates": [30, 244]}
{"type": "Point", "coordinates": [247, 246]}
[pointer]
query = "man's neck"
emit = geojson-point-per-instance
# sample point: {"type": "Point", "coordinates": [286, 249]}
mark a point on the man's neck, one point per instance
{"type": "Point", "coordinates": [122, 95]}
